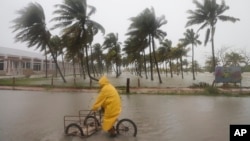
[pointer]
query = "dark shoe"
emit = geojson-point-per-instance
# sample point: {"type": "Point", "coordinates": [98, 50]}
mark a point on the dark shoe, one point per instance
{"type": "Point", "coordinates": [113, 135]}
{"type": "Point", "coordinates": [112, 132]}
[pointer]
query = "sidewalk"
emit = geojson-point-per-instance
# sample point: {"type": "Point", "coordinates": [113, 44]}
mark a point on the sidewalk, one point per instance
{"type": "Point", "coordinates": [181, 91]}
{"type": "Point", "coordinates": [175, 85]}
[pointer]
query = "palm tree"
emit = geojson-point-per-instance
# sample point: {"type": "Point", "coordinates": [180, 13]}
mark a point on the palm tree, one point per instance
{"type": "Point", "coordinates": [207, 14]}
{"type": "Point", "coordinates": [234, 59]}
{"type": "Point", "coordinates": [209, 63]}
{"type": "Point", "coordinates": [74, 18]}
{"type": "Point", "coordinates": [185, 63]}
{"type": "Point", "coordinates": [181, 51]}
{"type": "Point", "coordinates": [72, 53]}
{"type": "Point", "coordinates": [196, 66]}
{"type": "Point", "coordinates": [166, 48]}
{"type": "Point", "coordinates": [55, 43]}
{"type": "Point", "coordinates": [98, 56]}
{"type": "Point", "coordinates": [191, 38]}
{"type": "Point", "coordinates": [134, 47]}
{"type": "Point", "coordinates": [113, 45]}
{"type": "Point", "coordinates": [147, 26]}
{"type": "Point", "coordinates": [32, 29]}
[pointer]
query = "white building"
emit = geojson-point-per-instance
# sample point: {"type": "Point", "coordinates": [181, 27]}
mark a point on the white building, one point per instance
{"type": "Point", "coordinates": [19, 62]}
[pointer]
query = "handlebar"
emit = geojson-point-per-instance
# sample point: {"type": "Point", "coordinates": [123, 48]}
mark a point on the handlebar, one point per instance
{"type": "Point", "coordinates": [91, 112]}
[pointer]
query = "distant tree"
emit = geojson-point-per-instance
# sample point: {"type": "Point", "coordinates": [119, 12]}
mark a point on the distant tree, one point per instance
{"type": "Point", "coordinates": [185, 63]}
{"type": "Point", "coordinates": [181, 51]}
{"type": "Point", "coordinates": [246, 55]}
{"type": "Point", "coordinates": [166, 50]}
{"type": "Point", "coordinates": [111, 42]}
{"type": "Point", "coordinates": [234, 59]}
{"type": "Point", "coordinates": [209, 63]}
{"type": "Point", "coordinates": [191, 38]}
{"type": "Point", "coordinates": [221, 53]}
{"type": "Point", "coordinates": [98, 56]}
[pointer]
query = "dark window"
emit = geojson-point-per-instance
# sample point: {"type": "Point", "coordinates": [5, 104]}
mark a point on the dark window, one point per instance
{"type": "Point", "coordinates": [1, 65]}
{"type": "Point", "coordinates": [27, 65]}
{"type": "Point", "coordinates": [37, 67]}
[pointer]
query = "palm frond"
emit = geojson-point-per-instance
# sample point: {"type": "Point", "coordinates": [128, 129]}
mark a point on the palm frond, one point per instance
{"type": "Point", "coordinates": [207, 36]}
{"type": "Point", "coordinates": [228, 18]}
{"type": "Point", "coordinates": [30, 26]}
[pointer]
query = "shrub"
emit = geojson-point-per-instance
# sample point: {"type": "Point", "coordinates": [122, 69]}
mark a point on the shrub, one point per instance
{"type": "Point", "coordinates": [212, 90]}
{"type": "Point", "coordinates": [200, 85]}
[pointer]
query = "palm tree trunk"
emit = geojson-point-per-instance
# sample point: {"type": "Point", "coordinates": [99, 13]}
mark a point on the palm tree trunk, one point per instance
{"type": "Point", "coordinates": [177, 66]}
{"type": "Point", "coordinates": [171, 69]}
{"type": "Point", "coordinates": [212, 41]}
{"type": "Point", "coordinates": [150, 57]}
{"type": "Point", "coordinates": [166, 65]}
{"type": "Point", "coordinates": [193, 61]}
{"type": "Point", "coordinates": [117, 71]}
{"type": "Point", "coordinates": [46, 66]}
{"type": "Point", "coordinates": [91, 60]}
{"type": "Point", "coordinates": [145, 64]}
{"type": "Point", "coordinates": [63, 65]}
{"type": "Point", "coordinates": [74, 71]}
{"type": "Point", "coordinates": [181, 68]}
{"type": "Point", "coordinates": [156, 63]}
{"type": "Point", "coordinates": [87, 62]}
{"type": "Point", "coordinates": [57, 66]}
{"type": "Point", "coordinates": [56, 61]}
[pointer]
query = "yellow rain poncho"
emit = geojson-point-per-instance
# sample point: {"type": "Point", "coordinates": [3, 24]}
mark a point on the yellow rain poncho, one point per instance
{"type": "Point", "coordinates": [108, 99]}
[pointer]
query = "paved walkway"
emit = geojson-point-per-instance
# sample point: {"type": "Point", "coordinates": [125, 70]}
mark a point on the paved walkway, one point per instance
{"type": "Point", "coordinates": [138, 85]}
{"type": "Point", "coordinates": [132, 90]}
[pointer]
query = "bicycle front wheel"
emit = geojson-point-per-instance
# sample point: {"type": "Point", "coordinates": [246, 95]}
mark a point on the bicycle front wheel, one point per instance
{"type": "Point", "coordinates": [74, 129]}
{"type": "Point", "coordinates": [126, 127]}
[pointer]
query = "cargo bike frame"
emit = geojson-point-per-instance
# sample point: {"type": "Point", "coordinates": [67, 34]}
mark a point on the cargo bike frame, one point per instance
{"type": "Point", "coordinates": [88, 122]}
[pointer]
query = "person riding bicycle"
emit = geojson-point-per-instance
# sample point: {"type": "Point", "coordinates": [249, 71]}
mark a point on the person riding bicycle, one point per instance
{"type": "Point", "coordinates": [108, 99]}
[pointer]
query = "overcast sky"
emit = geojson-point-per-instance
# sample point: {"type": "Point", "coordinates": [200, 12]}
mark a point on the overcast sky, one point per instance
{"type": "Point", "coordinates": [114, 16]}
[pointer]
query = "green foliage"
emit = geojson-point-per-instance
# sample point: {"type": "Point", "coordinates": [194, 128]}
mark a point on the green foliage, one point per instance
{"type": "Point", "coordinates": [211, 90]}
{"type": "Point", "coordinates": [20, 81]}
{"type": "Point", "coordinates": [200, 85]}
{"type": "Point", "coordinates": [246, 68]}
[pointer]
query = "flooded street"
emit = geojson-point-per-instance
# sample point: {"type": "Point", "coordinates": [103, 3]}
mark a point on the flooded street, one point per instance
{"type": "Point", "coordinates": [38, 116]}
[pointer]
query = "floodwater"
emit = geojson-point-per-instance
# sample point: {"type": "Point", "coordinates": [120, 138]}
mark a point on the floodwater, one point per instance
{"type": "Point", "coordinates": [38, 116]}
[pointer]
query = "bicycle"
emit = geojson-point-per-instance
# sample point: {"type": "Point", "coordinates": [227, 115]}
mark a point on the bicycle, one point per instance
{"type": "Point", "coordinates": [90, 123]}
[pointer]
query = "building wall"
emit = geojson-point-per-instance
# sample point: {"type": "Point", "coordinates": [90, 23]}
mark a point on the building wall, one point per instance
{"type": "Point", "coordinates": [16, 65]}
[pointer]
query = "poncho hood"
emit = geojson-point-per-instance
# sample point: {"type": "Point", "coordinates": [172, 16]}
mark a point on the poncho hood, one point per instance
{"type": "Point", "coordinates": [103, 81]}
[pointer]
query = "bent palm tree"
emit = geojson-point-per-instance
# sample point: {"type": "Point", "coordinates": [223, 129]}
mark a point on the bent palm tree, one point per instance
{"type": "Point", "coordinates": [74, 18]}
{"type": "Point", "coordinates": [147, 25]}
{"type": "Point", "coordinates": [32, 29]}
{"type": "Point", "coordinates": [134, 47]}
{"type": "Point", "coordinates": [113, 45]}
{"type": "Point", "coordinates": [207, 14]}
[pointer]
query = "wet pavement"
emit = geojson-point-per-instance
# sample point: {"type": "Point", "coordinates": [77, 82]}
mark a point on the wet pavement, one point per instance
{"type": "Point", "coordinates": [38, 116]}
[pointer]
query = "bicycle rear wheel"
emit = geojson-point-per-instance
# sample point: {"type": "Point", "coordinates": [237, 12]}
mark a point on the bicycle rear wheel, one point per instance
{"type": "Point", "coordinates": [126, 127]}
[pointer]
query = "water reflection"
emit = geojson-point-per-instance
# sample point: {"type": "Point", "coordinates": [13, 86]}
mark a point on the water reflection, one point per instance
{"type": "Point", "coordinates": [38, 116]}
